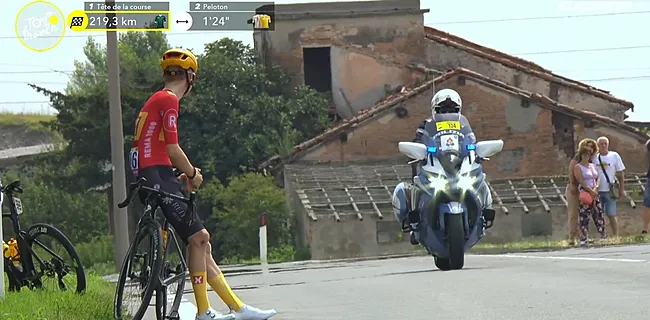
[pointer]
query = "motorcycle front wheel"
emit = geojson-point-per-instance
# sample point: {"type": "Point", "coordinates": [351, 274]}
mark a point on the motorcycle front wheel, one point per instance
{"type": "Point", "coordinates": [456, 241]}
{"type": "Point", "coordinates": [442, 263]}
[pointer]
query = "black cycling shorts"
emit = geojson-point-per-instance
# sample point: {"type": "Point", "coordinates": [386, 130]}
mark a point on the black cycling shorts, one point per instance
{"type": "Point", "coordinates": [162, 177]}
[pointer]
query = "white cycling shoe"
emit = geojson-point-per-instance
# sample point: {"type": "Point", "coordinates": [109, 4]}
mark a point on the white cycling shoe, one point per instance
{"type": "Point", "coordinates": [212, 314]}
{"type": "Point", "coordinates": [251, 313]}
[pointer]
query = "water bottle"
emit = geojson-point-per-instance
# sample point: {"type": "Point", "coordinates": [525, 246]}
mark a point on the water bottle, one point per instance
{"type": "Point", "coordinates": [164, 239]}
{"type": "Point", "coordinates": [12, 252]}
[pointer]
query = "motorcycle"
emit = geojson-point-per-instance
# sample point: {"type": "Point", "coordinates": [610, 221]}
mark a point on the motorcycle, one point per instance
{"type": "Point", "coordinates": [448, 194]}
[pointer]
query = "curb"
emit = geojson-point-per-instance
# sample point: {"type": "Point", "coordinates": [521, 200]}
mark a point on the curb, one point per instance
{"type": "Point", "coordinates": [251, 269]}
{"type": "Point", "coordinates": [244, 269]}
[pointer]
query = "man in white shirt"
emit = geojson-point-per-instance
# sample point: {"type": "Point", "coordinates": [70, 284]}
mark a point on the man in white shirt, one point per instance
{"type": "Point", "coordinates": [610, 169]}
{"type": "Point", "coordinates": [257, 21]}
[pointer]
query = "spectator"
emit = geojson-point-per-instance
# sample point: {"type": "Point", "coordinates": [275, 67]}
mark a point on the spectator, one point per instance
{"type": "Point", "coordinates": [646, 198]}
{"type": "Point", "coordinates": [612, 180]}
{"type": "Point", "coordinates": [571, 192]}
{"type": "Point", "coordinates": [587, 177]}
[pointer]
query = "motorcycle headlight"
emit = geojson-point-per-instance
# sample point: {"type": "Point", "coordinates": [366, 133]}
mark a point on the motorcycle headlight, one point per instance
{"type": "Point", "coordinates": [466, 182]}
{"type": "Point", "coordinates": [437, 182]}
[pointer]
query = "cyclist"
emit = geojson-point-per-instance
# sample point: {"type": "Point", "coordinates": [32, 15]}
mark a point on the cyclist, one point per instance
{"type": "Point", "coordinates": [155, 150]}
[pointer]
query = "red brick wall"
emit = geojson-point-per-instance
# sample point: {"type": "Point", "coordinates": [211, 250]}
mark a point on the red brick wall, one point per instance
{"type": "Point", "coordinates": [442, 56]}
{"type": "Point", "coordinates": [395, 44]}
{"type": "Point", "coordinates": [378, 138]}
{"type": "Point", "coordinates": [632, 150]}
{"type": "Point", "coordinates": [528, 134]}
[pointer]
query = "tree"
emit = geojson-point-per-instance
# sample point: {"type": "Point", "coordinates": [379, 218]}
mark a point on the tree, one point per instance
{"type": "Point", "coordinates": [80, 215]}
{"type": "Point", "coordinates": [83, 118]}
{"type": "Point", "coordinates": [239, 114]}
{"type": "Point", "coordinates": [236, 117]}
{"type": "Point", "coordinates": [242, 114]}
{"type": "Point", "coordinates": [236, 211]}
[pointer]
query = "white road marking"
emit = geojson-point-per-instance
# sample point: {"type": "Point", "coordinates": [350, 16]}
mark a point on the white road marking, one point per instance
{"type": "Point", "coordinates": [516, 256]}
{"type": "Point", "coordinates": [187, 310]}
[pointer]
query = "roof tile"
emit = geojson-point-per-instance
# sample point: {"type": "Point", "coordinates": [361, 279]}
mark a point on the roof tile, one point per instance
{"type": "Point", "coordinates": [366, 190]}
{"type": "Point", "coordinates": [394, 100]}
{"type": "Point", "coordinates": [518, 63]}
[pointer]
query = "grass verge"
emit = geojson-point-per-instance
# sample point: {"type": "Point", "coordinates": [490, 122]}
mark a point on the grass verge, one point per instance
{"type": "Point", "coordinates": [551, 245]}
{"type": "Point", "coordinates": [9, 118]}
{"type": "Point", "coordinates": [529, 245]}
{"type": "Point", "coordinates": [95, 303]}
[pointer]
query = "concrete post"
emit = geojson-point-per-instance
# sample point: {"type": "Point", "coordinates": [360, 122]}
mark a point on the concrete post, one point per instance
{"type": "Point", "coordinates": [2, 264]}
{"type": "Point", "coordinates": [121, 238]}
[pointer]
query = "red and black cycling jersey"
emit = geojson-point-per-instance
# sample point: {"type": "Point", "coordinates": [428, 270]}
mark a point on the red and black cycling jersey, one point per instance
{"type": "Point", "coordinates": [155, 128]}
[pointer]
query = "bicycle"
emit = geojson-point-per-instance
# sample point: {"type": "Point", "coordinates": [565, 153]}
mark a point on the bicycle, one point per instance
{"type": "Point", "coordinates": [28, 269]}
{"type": "Point", "coordinates": [158, 274]}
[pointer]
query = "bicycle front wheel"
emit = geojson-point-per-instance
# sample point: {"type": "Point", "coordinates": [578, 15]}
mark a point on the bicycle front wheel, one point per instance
{"type": "Point", "coordinates": [140, 272]}
{"type": "Point", "coordinates": [55, 259]}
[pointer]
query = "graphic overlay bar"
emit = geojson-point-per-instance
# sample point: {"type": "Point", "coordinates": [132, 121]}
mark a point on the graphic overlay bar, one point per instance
{"type": "Point", "coordinates": [226, 21]}
{"type": "Point", "coordinates": [97, 6]}
{"type": "Point", "coordinates": [229, 6]}
{"type": "Point", "coordinates": [126, 21]}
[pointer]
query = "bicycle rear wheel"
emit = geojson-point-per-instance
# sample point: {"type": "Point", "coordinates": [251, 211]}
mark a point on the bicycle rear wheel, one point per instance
{"type": "Point", "coordinates": [169, 293]}
{"type": "Point", "coordinates": [55, 259]}
{"type": "Point", "coordinates": [139, 273]}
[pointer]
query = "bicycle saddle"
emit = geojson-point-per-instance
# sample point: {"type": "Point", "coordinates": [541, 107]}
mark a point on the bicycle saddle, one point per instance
{"type": "Point", "coordinates": [13, 187]}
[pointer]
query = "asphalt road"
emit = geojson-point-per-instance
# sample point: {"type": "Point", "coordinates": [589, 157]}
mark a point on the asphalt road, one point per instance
{"type": "Point", "coordinates": [601, 283]}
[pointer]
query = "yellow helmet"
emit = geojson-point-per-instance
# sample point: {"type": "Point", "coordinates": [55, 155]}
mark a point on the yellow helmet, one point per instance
{"type": "Point", "coordinates": [181, 58]}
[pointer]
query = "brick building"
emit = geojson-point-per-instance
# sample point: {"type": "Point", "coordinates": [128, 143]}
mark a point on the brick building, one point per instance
{"type": "Point", "coordinates": [382, 66]}
{"type": "Point", "coordinates": [361, 50]}
{"type": "Point", "coordinates": [540, 134]}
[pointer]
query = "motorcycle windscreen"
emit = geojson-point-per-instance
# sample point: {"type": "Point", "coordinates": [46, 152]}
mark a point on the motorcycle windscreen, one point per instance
{"type": "Point", "coordinates": [450, 161]}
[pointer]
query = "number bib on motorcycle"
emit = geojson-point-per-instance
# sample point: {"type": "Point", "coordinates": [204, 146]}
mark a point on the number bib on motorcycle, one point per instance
{"type": "Point", "coordinates": [448, 125]}
{"type": "Point", "coordinates": [448, 131]}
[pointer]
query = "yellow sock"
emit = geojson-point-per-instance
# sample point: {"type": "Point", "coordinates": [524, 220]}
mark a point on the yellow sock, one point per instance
{"type": "Point", "coordinates": [221, 287]}
{"type": "Point", "coordinates": [200, 291]}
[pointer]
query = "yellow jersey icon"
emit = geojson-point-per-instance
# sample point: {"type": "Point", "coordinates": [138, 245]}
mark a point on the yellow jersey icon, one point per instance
{"type": "Point", "coordinates": [261, 21]}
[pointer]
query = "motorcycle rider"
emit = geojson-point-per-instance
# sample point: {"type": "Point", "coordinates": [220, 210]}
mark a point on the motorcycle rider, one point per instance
{"type": "Point", "coordinates": [446, 105]}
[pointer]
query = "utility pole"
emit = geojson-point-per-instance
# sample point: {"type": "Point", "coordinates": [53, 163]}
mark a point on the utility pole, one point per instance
{"type": "Point", "coordinates": [121, 236]}
{"type": "Point", "coordinates": [2, 265]}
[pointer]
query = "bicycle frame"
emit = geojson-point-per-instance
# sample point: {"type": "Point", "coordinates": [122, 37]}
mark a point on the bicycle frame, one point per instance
{"type": "Point", "coordinates": [27, 255]}
{"type": "Point", "coordinates": [152, 204]}
{"type": "Point", "coordinates": [171, 235]}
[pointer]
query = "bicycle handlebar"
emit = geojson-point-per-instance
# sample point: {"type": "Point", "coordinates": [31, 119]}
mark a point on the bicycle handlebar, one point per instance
{"type": "Point", "coordinates": [135, 187]}
{"type": "Point", "coordinates": [139, 185]}
{"type": "Point", "coordinates": [12, 187]}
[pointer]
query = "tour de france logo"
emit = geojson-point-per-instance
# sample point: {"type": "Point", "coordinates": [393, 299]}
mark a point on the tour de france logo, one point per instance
{"type": "Point", "coordinates": [40, 26]}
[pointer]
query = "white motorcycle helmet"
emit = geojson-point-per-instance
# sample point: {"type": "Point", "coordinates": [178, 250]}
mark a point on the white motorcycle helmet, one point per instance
{"type": "Point", "coordinates": [446, 101]}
